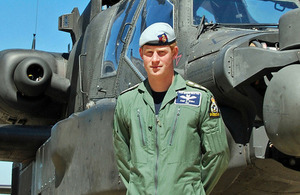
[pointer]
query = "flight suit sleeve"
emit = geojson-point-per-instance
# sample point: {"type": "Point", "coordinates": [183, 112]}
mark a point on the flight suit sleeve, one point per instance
{"type": "Point", "coordinates": [214, 146]}
{"type": "Point", "coordinates": [121, 143]}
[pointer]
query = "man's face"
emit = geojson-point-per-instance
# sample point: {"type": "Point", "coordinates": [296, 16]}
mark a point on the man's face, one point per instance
{"type": "Point", "coordinates": [158, 60]}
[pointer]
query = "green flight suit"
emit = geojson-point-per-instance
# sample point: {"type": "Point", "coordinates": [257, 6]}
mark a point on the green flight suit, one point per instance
{"type": "Point", "coordinates": [182, 150]}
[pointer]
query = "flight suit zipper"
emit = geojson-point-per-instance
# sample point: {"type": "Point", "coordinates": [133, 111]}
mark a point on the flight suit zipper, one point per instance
{"type": "Point", "coordinates": [174, 127]}
{"type": "Point", "coordinates": [141, 127]}
{"type": "Point", "coordinates": [157, 154]}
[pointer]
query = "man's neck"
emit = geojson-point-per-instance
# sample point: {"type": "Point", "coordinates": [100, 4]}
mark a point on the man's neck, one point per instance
{"type": "Point", "coordinates": [161, 84]}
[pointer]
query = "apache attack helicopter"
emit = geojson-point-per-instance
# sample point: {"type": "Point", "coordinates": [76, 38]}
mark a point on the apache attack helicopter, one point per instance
{"type": "Point", "coordinates": [56, 109]}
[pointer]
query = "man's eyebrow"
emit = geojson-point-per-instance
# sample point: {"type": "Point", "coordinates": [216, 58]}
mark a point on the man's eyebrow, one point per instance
{"type": "Point", "coordinates": [157, 49]}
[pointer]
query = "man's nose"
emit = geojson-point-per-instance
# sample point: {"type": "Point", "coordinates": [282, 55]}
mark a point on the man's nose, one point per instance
{"type": "Point", "coordinates": [155, 57]}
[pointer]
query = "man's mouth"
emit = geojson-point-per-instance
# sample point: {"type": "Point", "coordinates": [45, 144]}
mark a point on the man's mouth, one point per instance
{"type": "Point", "coordinates": [156, 66]}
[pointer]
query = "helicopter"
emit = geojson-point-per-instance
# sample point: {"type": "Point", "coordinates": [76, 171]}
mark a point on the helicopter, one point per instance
{"type": "Point", "coordinates": [56, 109]}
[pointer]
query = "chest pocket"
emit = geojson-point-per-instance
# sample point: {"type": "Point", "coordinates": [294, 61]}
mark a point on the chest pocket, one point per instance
{"type": "Point", "coordinates": [138, 137]}
{"type": "Point", "coordinates": [184, 141]}
{"type": "Point", "coordinates": [141, 125]}
{"type": "Point", "coordinates": [173, 127]}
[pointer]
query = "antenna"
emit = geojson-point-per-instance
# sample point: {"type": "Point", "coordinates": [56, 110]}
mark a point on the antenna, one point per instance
{"type": "Point", "coordinates": [36, 21]}
{"type": "Point", "coordinates": [33, 42]}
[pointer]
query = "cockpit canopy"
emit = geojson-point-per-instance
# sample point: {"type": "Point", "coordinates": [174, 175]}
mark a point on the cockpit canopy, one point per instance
{"type": "Point", "coordinates": [241, 11]}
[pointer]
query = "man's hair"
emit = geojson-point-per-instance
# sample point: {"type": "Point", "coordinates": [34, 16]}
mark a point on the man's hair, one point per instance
{"type": "Point", "coordinates": [172, 46]}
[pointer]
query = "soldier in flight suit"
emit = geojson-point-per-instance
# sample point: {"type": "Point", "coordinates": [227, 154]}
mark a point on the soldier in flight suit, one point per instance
{"type": "Point", "coordinates": [169, 137]}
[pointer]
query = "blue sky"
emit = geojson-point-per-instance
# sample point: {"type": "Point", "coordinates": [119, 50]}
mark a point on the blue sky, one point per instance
{"type": "Point", "coordinates": [18, 23]}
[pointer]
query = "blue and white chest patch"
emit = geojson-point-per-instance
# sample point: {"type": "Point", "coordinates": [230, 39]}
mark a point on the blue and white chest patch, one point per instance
{"type": "Point", "coordinates": [189, 98]}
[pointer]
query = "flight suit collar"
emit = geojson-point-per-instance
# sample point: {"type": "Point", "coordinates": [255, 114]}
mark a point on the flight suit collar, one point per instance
{"type": "Point", "coordinates": [145, 90]}
{"type": "Point", "coordinates": [177, 84]}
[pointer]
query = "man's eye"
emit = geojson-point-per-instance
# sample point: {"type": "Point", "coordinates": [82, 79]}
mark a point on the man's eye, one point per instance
{"type": "Point", "coordinates": [149, 53]}
{"type": "Point", "coordinates": [161, 53]}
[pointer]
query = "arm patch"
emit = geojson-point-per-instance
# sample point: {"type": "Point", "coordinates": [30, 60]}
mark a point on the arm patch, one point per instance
{"type": "Point", "coordinates": [214, 111]}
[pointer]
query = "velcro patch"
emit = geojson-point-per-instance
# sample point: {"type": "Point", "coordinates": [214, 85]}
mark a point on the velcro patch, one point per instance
{"type": "Point", "coordinates": [189, 98]}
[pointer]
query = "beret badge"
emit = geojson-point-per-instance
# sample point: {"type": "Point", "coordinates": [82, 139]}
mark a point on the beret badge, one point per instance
{"type": "Point", "coordinates": [163, 38]}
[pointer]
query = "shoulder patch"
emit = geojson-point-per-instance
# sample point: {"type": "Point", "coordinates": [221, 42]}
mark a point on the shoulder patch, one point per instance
{"type": "Point", "coordinates": [214, 111]}
{"type": "Point", "coordinates": [195, 85]}
{"type": "Point", "coordinates": [129, 89]}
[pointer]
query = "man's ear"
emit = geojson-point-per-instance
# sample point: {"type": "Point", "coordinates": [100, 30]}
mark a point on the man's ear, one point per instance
{"type": "Point", "coordinates": [141, 52]}
{"type": "Point", "coordinates": [175, 52]}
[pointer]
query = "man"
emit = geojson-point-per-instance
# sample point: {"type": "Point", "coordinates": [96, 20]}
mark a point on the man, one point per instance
{"type": "Point", "coordinates": [169, 137]}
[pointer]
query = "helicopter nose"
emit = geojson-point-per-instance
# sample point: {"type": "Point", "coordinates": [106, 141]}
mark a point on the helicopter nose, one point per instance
{"type": "Point", "coordinates": [281, 110]}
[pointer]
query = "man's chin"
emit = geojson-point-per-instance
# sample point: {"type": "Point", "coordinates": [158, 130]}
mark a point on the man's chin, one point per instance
{"type": "Point", "coordinates": [156, 72]}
